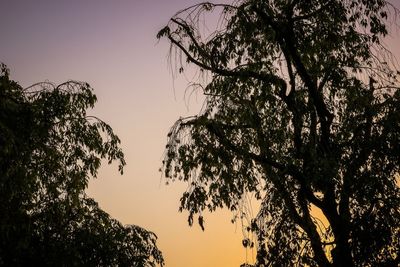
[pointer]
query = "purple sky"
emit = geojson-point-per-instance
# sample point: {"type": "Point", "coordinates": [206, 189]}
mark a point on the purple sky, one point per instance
{"type": "Point", "coordinates": [112, 45]}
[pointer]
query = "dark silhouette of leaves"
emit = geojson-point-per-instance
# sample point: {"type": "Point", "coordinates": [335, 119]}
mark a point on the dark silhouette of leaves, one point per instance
{"type": "Point", "coordinates": [49, 149]}
{"type": "Point", "coordinates": [301, 110]}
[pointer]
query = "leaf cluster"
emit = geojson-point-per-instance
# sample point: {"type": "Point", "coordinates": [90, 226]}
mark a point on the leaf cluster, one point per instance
{"type": "Point", "coordinates": [302, 110]}
{"type": "Point", "coordinates": [49, 149]}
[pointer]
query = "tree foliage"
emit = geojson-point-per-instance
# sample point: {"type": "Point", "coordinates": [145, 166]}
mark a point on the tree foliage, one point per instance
{"type": "Point", "coordinates": [302, 109]}
{"type": "Point", "coordinates": [49, 149]}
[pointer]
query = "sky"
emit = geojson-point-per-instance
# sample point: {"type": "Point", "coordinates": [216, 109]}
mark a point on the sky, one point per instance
{"type": "Point", "coordinates": [112, 45]}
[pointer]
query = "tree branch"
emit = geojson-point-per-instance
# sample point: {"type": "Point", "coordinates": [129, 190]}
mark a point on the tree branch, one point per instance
{"type": "Point", "coordinates": [242, 73]}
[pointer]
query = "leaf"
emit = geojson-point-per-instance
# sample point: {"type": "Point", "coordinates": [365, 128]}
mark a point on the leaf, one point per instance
{"type": "Point", "coordinates": [201, 222]}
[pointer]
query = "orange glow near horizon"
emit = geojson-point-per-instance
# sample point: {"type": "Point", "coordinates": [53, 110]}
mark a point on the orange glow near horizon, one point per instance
{"type": "Point", "coordinates": [112, 46]}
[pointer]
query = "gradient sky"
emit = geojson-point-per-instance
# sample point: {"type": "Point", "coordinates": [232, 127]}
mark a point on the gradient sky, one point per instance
{"type": "Point", "coordinates": [112, 46]}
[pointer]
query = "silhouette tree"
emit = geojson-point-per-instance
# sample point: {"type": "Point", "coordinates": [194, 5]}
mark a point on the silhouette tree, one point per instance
{"type": "Point", "coordinates": [302, 109]}
{"type": "Point", "coordinates": [49, 149]}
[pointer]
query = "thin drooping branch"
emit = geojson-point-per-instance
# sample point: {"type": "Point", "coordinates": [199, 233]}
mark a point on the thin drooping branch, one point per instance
{"type": "Point", "coordinates": [267, 78]}
{"type": "Point", "coordinates": [216, 129]}
{"type": "Point", "coordinates": [287, 117]}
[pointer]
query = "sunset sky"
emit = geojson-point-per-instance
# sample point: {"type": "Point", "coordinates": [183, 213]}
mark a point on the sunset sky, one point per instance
{"type": "Point", "coordinates": [112, 45]}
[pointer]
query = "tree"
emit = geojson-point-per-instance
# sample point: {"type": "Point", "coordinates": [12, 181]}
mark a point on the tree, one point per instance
{"type": "Point", "coordinates": [49, 149]}
{"type": "Point", "coordinates": [302, 109]}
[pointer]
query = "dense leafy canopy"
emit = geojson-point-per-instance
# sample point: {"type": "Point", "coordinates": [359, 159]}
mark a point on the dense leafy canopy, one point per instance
{"type": "Point", "coordinates": [302, 110]}
{"type": "Point", "coordinates": [49, 149]}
